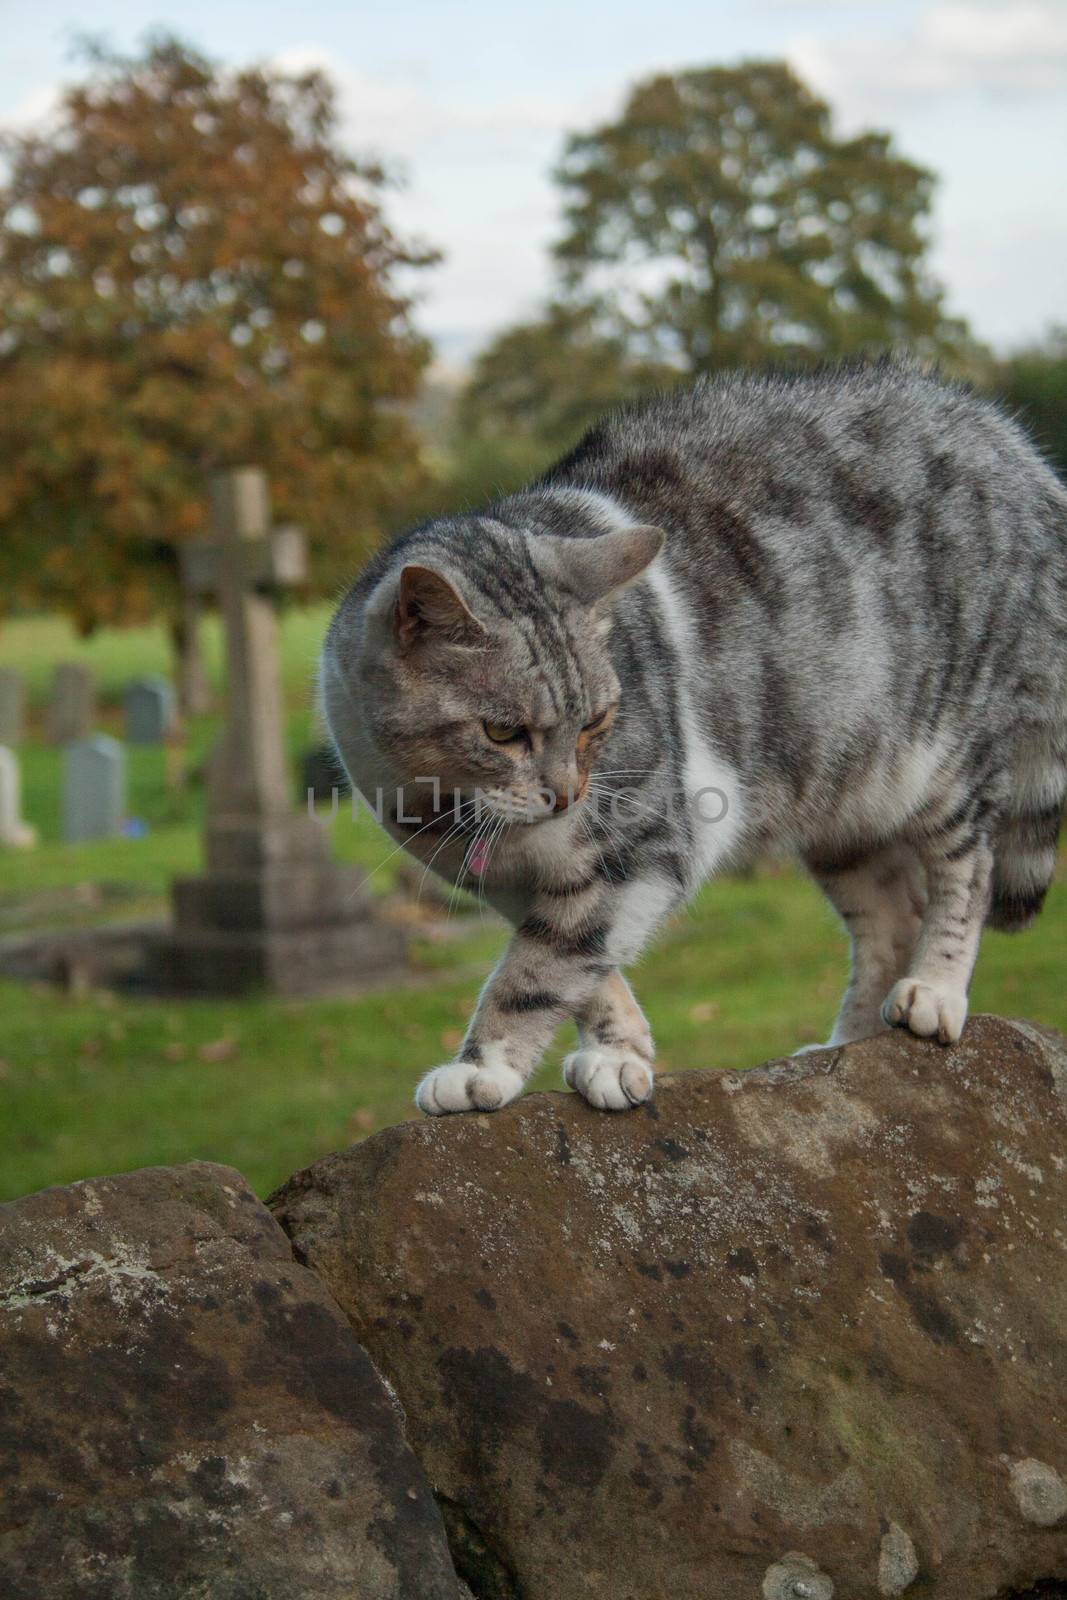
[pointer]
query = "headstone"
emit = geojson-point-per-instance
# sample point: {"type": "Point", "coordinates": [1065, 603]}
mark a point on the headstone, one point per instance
{"type": "Point", "coordinates": [94, 790]}
{"type": "Point", "coordinates": [149, 706]}
{"type": "Point", "coordinates": [14, 833]}
{"type": "Point", "coordinates": [322, 775]}
{"type": "Point", "coordinates": [273, 910]}
{"type": "Point", "coordinates": [12, 707]}
{"type": "Point", "coordinates": [72, 711]}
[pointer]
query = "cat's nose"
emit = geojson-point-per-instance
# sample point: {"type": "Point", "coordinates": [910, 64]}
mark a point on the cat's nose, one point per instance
{"type": "Point", "coordinates": [571, 793]}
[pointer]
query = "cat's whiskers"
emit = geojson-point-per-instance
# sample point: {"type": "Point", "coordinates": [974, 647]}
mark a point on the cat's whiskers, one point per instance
{"type": "Point", "coordinates": [490, 848]}
{"type": "Point", "coordinates": [479, 837]}
{"type": "Point", "coordinates": [394, 852]}
{"type": "Point", "coordinates": [459, 826]}
{"type": "Point", "coordinates": [620, 797]}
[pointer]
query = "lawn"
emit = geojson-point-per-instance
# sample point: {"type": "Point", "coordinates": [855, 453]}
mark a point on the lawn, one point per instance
{"type": "Point", "coordinates": [97, 1084]}
{"type": "Point", "coordinates": [35, 644]}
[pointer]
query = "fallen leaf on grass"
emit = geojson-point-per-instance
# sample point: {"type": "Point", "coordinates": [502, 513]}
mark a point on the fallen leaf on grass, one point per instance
{"type": "Point", "coordinates": [451, 1039]}
{"type": "Point", "coordinates": [703, 1011]}
{"type": "Point", "coordinates": [175, 1052]}
{"type": "Point", "coordinates": [363, 1120]}
{"type": "Point", "coordinates": [218, 1050]}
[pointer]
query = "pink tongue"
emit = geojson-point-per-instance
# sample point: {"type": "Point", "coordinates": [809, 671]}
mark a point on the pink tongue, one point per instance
{"type": "Point", "coordinates": [479, 858]}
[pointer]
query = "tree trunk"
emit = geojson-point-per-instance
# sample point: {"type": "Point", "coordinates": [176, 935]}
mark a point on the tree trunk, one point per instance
{"type": "Point", "coordinates": [194, 693]}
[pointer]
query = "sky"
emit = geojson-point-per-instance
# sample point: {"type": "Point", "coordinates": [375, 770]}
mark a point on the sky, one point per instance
{"type": "Point", "coordinates": [468, 104]}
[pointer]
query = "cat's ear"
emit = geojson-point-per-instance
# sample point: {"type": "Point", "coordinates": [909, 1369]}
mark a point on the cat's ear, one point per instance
{"type": "Point", "coordinates": [426, 603]}
{"type": "Point", "coordinates": [595, 569]}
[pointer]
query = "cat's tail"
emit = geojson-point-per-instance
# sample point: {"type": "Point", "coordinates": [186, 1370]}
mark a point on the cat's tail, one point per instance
{"type": "Point", "coordinates": [1024, 849]}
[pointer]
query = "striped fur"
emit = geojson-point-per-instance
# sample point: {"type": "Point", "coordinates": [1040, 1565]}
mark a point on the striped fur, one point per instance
{"type": "Point", "coordinates": [853, 644]}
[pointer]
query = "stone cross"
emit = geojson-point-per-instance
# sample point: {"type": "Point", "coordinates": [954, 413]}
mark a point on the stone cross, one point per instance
{"type": "Point", "coordinates": [12, 706]}
{"type": "Point", "coordinates": [272, 910]}
{"type": "Point", "coordinates": [94, 790]}
{"type": "Point", "coordinates": [245, 564]}
{"type": "Point", "coordinates": [14, 833]}
{"type": "Point", "coordinates": [73, 706]}
{"type": "Point", "coordinates": [149, 707]}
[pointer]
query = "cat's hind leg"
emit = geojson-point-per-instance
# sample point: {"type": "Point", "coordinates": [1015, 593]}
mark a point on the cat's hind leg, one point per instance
{"type": "Point", "coordinates": [881, 899]}
{"type": "Point", "coordinates": [612, 1067]}
{"type": "Point", "coordinates": [932, 999]}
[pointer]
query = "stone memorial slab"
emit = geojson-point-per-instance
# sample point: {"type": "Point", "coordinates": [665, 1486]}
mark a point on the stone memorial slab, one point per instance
{"type": "Point", "coordinates": [150, 711]}
{"type": "Point", "coordinates": [14, 833]}
{"type": "Point", "coordinates": [72, 710]}
{"type": "Point", "coordinates": [12, 707]}
{"type": "Point", "coordinates": [94, 790]}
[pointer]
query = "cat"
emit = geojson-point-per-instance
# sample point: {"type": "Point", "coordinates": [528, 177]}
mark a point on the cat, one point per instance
{"type": "Point", "coordinates": [823, 613]}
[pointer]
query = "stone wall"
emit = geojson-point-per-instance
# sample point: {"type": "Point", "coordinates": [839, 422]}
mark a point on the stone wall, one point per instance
{"type": "Point", "coordinates": [797, 1332]}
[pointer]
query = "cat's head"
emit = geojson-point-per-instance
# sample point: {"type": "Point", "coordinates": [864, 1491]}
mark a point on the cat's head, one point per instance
{"type": "Point", "coordinates": [492, 676]}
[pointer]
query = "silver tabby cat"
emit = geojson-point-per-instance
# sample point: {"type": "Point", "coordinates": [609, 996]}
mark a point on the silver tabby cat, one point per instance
{"type": "Point", "coordinates": [826, 614]}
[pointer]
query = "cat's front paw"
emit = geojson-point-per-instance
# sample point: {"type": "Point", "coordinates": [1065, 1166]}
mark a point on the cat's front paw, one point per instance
{"type": "Point", "coordinates": [927, 1009]}
{"type": "Point", "coordinates": [610, 1079]}
{"type": "Point", "coordinates": [464, 1087]}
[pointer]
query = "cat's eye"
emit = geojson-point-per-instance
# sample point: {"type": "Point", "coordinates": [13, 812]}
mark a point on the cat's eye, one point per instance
{"type": "Point", "coordinates": [502, 733]}
{"type": "Point", "coordinates": [597, 722]}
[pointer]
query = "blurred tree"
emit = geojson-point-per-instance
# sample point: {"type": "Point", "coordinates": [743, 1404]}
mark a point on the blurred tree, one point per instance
{"type": "Point", "coordinates": [546, 381]}
{"type": "Point", "coordinates": [744, 230]}
{"type": "Point", "coordinates": [1033, 382]}
{"type": "Point", "coordinates": [717, 222]}
{"type": "Point", "coordinates": [193, 275]}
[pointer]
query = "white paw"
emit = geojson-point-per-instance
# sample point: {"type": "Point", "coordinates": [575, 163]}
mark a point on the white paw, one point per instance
{"type": "Point", "coordinates": [610, 1079]}
{"type": "Point", "coordinates": [465, 1087]}
{"type": "Point", "coordinates": [926, 1009]}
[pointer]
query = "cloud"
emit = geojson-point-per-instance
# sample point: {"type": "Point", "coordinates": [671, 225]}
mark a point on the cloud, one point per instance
{"type": "Point", "coordinates": [35, 110]}
{"type": "Point", "coordinates": [1004, 47]}
{"type": "Point", "coordinates": [477, 185]}
{"type": "Point", "coordinates": [401, 116]}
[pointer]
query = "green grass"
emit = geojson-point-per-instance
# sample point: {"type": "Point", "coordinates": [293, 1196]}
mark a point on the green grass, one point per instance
{"type": "Point", "coordinates": [34, 644]}
{"type": "Point", "coordinates": [93, 1085]}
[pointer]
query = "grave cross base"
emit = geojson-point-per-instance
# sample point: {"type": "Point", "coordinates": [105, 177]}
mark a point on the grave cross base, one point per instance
{"type": "Point", "coordinates": [273, 912]}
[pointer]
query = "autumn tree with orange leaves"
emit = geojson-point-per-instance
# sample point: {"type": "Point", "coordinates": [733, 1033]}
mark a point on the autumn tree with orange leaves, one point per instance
{"type": "Point", "coordinates": [193, 275]}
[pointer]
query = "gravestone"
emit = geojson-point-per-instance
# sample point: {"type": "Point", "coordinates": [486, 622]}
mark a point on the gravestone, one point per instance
{"type": "Point", "coordinates": [94, 790]}
{"type": "Point", "coordinates": [273, 910]}
{"type": "Point", "coordinates": [72, 710]}
{"type": "Point", "coordinates": [12, 707]}
{"type": "Point", "coordinates": [149, 707]}
{"type": "Point", "coordinates": [14, 833]}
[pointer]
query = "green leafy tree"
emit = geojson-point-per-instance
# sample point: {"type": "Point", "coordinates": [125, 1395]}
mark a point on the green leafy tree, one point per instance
{"type": "Point", "coordinates": [732, 225]}
{"type": "Point", "coordinates": [546, 381]}
{"type": "Point", "coordinates": [1033, 383]}
{"type": "Point", "coordinates": [193, 275]}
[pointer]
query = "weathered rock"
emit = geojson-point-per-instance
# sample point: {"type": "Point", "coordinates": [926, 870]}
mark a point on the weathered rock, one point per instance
{"type": "Point", "coordinates": [797, 1331]}
{"type": "Point", "coordinates": [184, 1412]}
